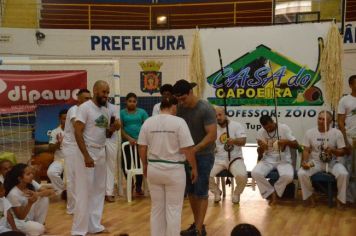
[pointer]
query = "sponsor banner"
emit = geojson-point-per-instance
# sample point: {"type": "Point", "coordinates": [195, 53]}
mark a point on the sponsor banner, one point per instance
{"type": "Point", "coordinates": [264, 66]}
{"type": "Point", "coordinates": [47, 120]}
{"type": "Point", "coordinates": [26, 89]}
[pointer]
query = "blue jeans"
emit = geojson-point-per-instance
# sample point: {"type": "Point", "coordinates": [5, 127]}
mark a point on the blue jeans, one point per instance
{"type": "Point", "coordinates": [200, 188]}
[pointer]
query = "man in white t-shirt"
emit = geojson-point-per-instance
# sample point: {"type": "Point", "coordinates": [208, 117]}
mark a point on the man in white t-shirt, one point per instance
{"type": "Point", "coordinates": [347, 125]}
{"type": "Point", "coordinates": [166, 91]}
{"type": "Point", "coordinates": [274, 143]}
{"type": "Point", "coordinates": [347, 114]}
{"type": "Point", "coordinates": [90, 127]}
{"type": "Point", "coordinates": [111, 154]}
{"type": "Point", "coordinates": [236, 163]}
{"type": "Point", "coordinates": [70, 148]}
{"type": "Point", "coordinates": [319, 141]}
{"type": "Point", "coordinates": [165, 143]}
{"type": "Point", "coordinates": [55, 170]}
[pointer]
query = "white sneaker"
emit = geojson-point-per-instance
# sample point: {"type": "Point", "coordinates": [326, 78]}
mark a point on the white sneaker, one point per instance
{"type": "Point", "coordinates": [236, 198]}
{"type": "Point", "coordinates": [217, 196]}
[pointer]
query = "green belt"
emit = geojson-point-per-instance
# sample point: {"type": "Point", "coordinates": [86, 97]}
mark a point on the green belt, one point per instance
{"type": "Point", "coordinates": [169, 162]}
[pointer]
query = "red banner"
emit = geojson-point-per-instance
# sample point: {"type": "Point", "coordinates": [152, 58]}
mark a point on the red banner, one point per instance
{"type": "Point", "coordinates": [21, 90]}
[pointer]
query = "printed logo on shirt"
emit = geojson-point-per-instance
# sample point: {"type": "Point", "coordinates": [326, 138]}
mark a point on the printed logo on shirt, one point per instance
{"type": "Point", "coordinates": [102, 122]}
{"type": "Point", "coordinates": [321, 146]}
{"type": "Point", "coordinates": [223, 138]}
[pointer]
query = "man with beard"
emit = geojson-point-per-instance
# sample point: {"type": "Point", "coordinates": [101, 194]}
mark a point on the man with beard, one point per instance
{"type": "Point", "coordinates": [274, 143]}
{"type": "Point", "coordinates": [318, 142]}
{"type": "Point", "coordinates": [92, 122]}
{"type": "Point", "coordinates": [236, 163]}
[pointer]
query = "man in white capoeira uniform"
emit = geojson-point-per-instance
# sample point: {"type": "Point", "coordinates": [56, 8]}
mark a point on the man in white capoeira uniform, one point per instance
{"type": "Point", "coordinates": [90, 128]}
{"type": "Point", "coordinates": [165, 91]}
{"type": "Point", "coordinates": [319, 141]}
{"type": "Point", "coordinates": [347, 125]}
{"type": "Point", "coordinates": [55, 170]}
{"type": "Point", "coordinates": [274, 141]}
{"type": "Point", "coordinates": [70, 148]}
{"type": "Point", "coordinates": [236, 163]}
{"type": "Point", "coordinates": [111, 154]}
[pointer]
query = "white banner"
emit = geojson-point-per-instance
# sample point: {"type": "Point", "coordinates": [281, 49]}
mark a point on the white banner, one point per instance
{"type": "Point", "coordinates": [251, 55]}
{"type": "Point", "coordinates": [96, 42]}
{"type": "Point", "coordinates": [256, 57]}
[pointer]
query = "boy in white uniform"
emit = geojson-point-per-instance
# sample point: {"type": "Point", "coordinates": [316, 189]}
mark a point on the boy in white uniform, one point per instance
{"type": "Point", "coordinates": [330, 141]}
{"type": "Point", "coordinates": [90, 127]}
{"type": "Point", "coordinates": [165, 91]}
{"type": "Point", "coordinates": [274, 141]}
{"type": "Point", "coordinates": [111, 154]}
{"type": "Point", "coordinates": [236, 164]}
{"type": "Point", "coordinates": [70, 148]}
{"type": "Point", "coordinates": [56, 168]}
{"type": "Point", "coordinates": [167, 142]}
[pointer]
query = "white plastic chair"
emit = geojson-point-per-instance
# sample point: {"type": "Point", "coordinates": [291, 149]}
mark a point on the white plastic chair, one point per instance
{"type": "Point", "coordinates": [134, 169]}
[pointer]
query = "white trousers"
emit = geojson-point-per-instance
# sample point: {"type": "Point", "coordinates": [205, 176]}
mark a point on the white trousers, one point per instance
{"type": "Point", "coordinates": [89, 193]}
{"type": "Point", "coordinates": [111, 166]}
{"type": "Point", "coordinates": [33, 224]}
{"type": "Point", "coordinates": [167, 194]}
{"type": "Point", "coordinates": [351, 189]}
{"type": "Point", "coordinates": [54, 173]}
{"type": "Point", "coordinates": [261, 170]}
{"type": "Point", "coordinates": [39, 210]}
{"type": "Point", "coordinates": [237, 169]}
{"type": "Point", "coordinates": [71, 152]}
{"type": "Point", "coordinates": [337, 169]}
{"type": "Point", "coordinates": [30, 228]}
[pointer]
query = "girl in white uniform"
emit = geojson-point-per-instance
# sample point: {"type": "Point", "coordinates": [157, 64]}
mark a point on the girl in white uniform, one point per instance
{"type": "Point", "coordinates": [7, 222]}
{"type": "Point", "coordinates": [164, 144]}
{"type": "Point", "coordinates": [29, 209]}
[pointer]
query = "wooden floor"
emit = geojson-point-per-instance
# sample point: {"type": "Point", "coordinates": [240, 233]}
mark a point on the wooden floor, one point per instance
{"type": "Point", "coordinates": [289, 217]}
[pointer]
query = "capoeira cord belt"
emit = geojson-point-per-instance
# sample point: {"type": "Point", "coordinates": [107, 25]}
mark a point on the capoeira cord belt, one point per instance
{"type": "Point", "coordinates": [228, 181]}
{"type": "Point", "coordinates": [233, 160]}
{"type": "Point", "coordinates": [166, 161]}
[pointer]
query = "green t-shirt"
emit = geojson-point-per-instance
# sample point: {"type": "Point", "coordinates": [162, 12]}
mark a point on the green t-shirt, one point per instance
{"type": "Point", "coordinates": [132, 122]}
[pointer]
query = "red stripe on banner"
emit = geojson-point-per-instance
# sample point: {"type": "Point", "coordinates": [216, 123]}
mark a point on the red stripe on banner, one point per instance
{"type": "Point", "coordinates": [24, 89]}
